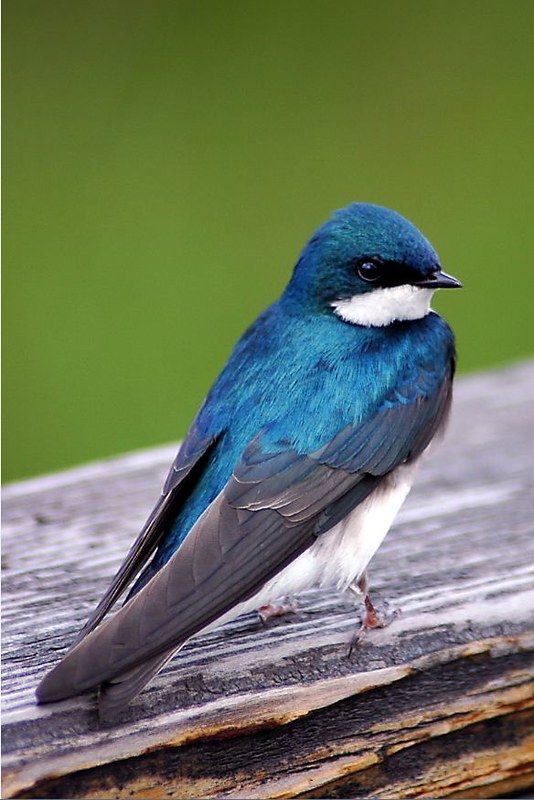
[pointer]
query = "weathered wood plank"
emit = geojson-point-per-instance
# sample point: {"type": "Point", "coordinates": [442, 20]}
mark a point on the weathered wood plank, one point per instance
{"type": "Point", "coordinates": [436, 704]}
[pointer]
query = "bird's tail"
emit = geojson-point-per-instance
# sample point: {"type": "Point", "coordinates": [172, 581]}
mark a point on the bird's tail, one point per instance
{"type": "Point", "coordinates": [117, 693]}
{"type": "Point", "coordinates": [226, 558]}
{"type": "Point", "coordinates": [196, 587]}
{"type": "Point", "coordinates": [103, 658]}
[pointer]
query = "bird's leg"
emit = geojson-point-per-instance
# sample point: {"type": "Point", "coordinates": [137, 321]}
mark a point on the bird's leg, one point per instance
{"type": "Point", "coordinates": [371, 618]}
{"type": "Point", "coordinates": [284, 606]}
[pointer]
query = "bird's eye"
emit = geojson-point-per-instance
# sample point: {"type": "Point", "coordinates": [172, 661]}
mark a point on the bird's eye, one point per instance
{"type": "Point", "coordinates": [369, 271]}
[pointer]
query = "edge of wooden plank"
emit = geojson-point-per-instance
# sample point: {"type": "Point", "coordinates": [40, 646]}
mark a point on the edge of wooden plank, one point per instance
{"type": "Point", "coordinates": [242, 713]}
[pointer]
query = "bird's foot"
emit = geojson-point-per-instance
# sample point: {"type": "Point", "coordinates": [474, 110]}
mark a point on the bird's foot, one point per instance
{"type": "Point", "coordinates": [285, 606]}
{"type": "Point", "coordinates": [372, 619]}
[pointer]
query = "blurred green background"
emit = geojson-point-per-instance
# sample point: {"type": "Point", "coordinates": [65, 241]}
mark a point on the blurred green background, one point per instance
{"type": "Point", "coordinates": [164, 162]}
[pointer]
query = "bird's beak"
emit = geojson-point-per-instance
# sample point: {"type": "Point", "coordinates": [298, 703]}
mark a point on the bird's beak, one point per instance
{"type": "Point", "coordinates": [439, 280]}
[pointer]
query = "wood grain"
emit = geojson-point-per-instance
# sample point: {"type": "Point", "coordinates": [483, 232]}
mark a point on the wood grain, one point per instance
{"type": "Point", "coordinates": [437, 704]}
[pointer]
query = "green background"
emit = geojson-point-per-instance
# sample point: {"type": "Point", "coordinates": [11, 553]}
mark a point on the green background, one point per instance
{"type": "Point", "coordinates": [164, 162]}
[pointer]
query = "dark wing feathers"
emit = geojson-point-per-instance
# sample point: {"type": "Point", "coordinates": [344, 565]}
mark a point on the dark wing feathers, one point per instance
{"type": "Point", "coordinates": [193, 448]}
{"type": "Point", "coordinates": [213, 569]}
{"type": "Point", "coordinates": [189, 454]}
{"type": "Point", "coordinates": [271, 510]}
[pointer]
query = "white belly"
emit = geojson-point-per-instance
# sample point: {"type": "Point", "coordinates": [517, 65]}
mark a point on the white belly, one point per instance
{"type": "Point", "coordinates": [338, 557]}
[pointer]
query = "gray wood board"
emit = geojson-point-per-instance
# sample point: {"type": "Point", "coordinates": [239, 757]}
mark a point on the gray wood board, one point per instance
{"type": "Point", "coordinates": [458, 564]}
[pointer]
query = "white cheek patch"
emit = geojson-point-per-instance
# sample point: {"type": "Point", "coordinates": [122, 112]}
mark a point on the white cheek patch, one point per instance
{"type": "Point", "coordinates": [382, 306]}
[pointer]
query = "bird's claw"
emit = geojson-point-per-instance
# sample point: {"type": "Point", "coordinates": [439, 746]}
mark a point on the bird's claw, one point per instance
{"type": "Point", "coordinates": [270, 610]}
{"type": "Point", "coordinates": [371, 620]}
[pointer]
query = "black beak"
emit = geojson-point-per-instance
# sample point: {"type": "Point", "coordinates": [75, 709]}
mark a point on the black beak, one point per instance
{"type": "Point", "coordinates": [439, 280]}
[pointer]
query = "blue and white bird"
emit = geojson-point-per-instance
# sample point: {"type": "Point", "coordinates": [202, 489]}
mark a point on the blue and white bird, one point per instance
{"type": "Point", "coordinates": [296, 463]}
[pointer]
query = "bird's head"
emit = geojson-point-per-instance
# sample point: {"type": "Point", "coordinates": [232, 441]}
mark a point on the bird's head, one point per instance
{"type": "Point", "coordinates": [369, 266]}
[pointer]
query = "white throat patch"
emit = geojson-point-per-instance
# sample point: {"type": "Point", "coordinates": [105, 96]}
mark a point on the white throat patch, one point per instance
{"type": "Point", "coordinates": [383, 306]}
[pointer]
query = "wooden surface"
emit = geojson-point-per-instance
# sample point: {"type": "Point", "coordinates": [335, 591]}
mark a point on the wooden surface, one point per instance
{"type": "Point", "coordinates": [438, 704]}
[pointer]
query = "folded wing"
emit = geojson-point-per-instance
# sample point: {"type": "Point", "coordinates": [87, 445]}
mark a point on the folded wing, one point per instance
{"type": "Point", "coordinates": [178, 482]}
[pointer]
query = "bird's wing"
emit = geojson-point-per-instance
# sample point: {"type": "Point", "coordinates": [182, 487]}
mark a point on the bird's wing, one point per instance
{"type": "Point", "coordinates": [188, 460]}
{"type": "Point", "coordinates": [272, 509]}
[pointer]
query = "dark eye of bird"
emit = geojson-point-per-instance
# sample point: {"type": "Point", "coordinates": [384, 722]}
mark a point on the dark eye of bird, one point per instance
{"type": "Point", "coordinates": [369, 271]}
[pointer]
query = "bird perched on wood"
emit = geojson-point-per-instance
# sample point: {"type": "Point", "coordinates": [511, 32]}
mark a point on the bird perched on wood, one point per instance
{"type": "Point", "coordinates": [297, 462]}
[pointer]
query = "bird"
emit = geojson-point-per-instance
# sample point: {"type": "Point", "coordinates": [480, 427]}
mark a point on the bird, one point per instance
{"type": "Point", "coordinates": [297, 461]}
